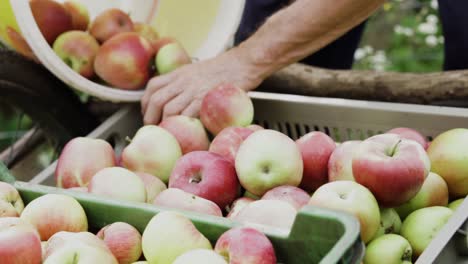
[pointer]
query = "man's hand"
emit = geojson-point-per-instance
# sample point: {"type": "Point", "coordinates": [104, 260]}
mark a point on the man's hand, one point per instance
{"type": "Point", "coordinates": [182, 91]}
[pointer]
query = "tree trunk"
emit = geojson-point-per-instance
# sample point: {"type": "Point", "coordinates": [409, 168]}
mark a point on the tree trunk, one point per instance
{"type": "Point", "coordinates": [439, 88]}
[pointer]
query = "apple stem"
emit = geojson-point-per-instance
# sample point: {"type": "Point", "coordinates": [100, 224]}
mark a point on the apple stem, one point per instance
{"type": "Point", "coordinates": [393, 150]}
{"type": "Point", "coordinates": [196, 178]}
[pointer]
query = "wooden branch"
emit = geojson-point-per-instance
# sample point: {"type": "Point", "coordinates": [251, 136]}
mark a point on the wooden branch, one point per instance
{"type": "Point", "coordinates": [425, 88]}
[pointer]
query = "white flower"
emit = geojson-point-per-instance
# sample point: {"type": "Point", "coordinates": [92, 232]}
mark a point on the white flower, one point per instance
{"type": "Point", "coordinates": [434, 4]}
{"type": "Point", "coordinates": [368, 49]}
{"type": "Point", "coordinates": [427, 28]}
{"type": "Point", "coordinates": [359, 54]}
{"type": "Point", "coordinates": [432, 40]}
{"type": "Point", "coordinates": [379, 57]}
{"type": "Point", "coordinates": [433, 19]}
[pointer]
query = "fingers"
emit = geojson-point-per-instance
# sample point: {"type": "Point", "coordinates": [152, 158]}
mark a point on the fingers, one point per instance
{"type": "Point", "coordinates": [177, 105]}
{"type": "Point", "coordinates": [154, 85]}
{"type": "Point", "coordinates": [193, 109]}
{"type": "Point", "coordinates": [156, 103]}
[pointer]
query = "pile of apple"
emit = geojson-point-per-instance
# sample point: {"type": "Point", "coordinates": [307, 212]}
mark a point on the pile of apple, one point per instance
{"type": "Point", "coordinates": [53, 229]}
{"type": "Point", "coordinates": [112, 48]}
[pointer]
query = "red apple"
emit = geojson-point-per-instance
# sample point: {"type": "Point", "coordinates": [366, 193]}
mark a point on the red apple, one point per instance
{"type": "Point", "coordinates": [78, 50]}
{"type": "Point", "coordinates": [391, 167]}
{"type": "Point", "coordinates": [154, 186]}
{"type": "Point", "coordinates": [340, 164]}
{"type": "Point", "coordinates": [133, 71]}
{"type": "Point", "coordinates": [123, 240]}
{"type": "Point", "coordinates": [80, 159]}
{"type": "Point", "coordinates": [79, 14]}
{"type": "Point", "coordinates": [19, 242]}
{"type": "Point", "coordinates": [226, 106]}
{"type": "Point", "coordinates": [237, 206]}
{"type": "Point", "coordinates": [245, 245]}
{"type": "Point", "coordinates": [51, 18]}
{"type": "Point", "coordinates": [19, 44]}
{"type": "Point", "coordinates": [410, 133]}
{"type": "Point", "coordinates": [110, 23]}
{"type": "Point", "coordinates": [316, 148]}
{"type": "Point", "coordinates": [228, 141]}
{"type": "Point", "coordinates": [146, 31]}
{"type": "Point", "coordinates": [188, 131]}
{"type": "Point", "coordinates": [207, 175]}
{"type": "Point", "coordinates": [170, 57]}
{"type": "Point", "coordinates": [11, 203]}
{"type": "Point", "coordinates": [290, 194]}
{"type": "Point", "coordinates": [179, 199]}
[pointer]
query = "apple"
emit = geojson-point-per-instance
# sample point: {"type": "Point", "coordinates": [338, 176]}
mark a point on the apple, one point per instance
{"type": "Point", "coordinates": [80, 159]}
{"type": "Point", "coordinates": [19, 44]}
{"type": "Point", "coordinates": [237, 206]}
{"type": "Point", "coordinates": [11, 203]}
{"type": "Point", "coordinates": [409, 133]}
{"type": "Point", "coordinates": [455, 204]}
{"type": "Point", "coordinates": [208, 175]}
{"type": "Point", "coordinates": [63, 238]}
{"type": "Point", "coordinates": [51, 17]}
{"type": "Point", "coordinates": [152, 150]}
{"type": "Point", "coordinates": [147, 31]}
{"type": "Point", "coordinates": [79, 14]}
{"type": "Point", "coordinates": [179, 199]}
{"type": "Point", "coordinates": [267, 159]}
{"type": "Point", "coordinates": [448, 153]}
{"type": "Point", "coordinates": [110, 23]}
{"type": "Point", "coordinates": [170, 57]}
{"type": "Point", "coordinates": [267, 214]}
{"type": "Point", "coordinates": [227, 142]}
{"type": "Point", "coordinates": [200, 256]}
{"type": "Point", "coordinates": [161, 42]}
{"type": "Point", "coordinates": [250, 195]}
{"type": "Point", "coordinates": [391, 167]}
{"type": "Point", "coordinates": [52, 213]}
{"type": "Point", "coordinates": [390, 222]}
{"type": "Point", "coordinates": [316, 148]}
{"type": "Point", "coordinates": [133, 70]}
{"type": "Point", "coordinates": [352, 198]}
{"type": "Point", "coordinates": [255, 127]}
{"type": "Point", "coordinates": [245, 245]}
{"type": "Point", "coordinates": [123, 240]}
{"type": "Point", "coordinates": [422, 225]}
{"type": "Point", "coordinates": [79, 189]}
{"type": "Point", "coordinates": [19, 242]}
{"type": "Point", "coordinates": [154, 186]}
{"type": "Point", "coordinates": [225, 106]}
{"type": "Point", "coordinates": [290, 194]}
{"type": "Point", "coordinates": [170, 234]}
{"type": "Point", "coordinates": [390, 248]}
{"type": "Point", "coordinates": [78, 50]}
{"type": "Point", "coordinates": [80, 253]}
{"type": "Point", "coordinates": [188, 131]}
{"type": "Point", "coordinates": [434, 191]}
{"type": "Point", "coordinates": [340, 164]}
{"type": "Point", "coordinates": [118, 183]}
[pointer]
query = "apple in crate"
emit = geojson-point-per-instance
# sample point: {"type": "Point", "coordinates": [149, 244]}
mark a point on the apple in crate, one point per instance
{"type": "Point", "coordinates": [133, 71]}
{"type": "Point", "coordinates": [19, 242]}
{"type": "Point", "coordinates": [225, 106]}
{"type": "Point", "coordinates": [391, 249]}
{"type": "Point", "coordinates": [448, 153]}
{"type": "Point", "coordinates": [290, 194]}
{"type": "Point", "coordinates": [51, 17]}
{"type": "Point", "coordinates": [170, 57]}
{"type": "Point", "coordinates": [170, 234]}
{"type": "Point", "coordinates": [152, 150]}
{"type": "Point", "coordinates": [200, 256]}
{"type": "Point", "coordinates": [391, 167]}
{"type": "Point", "coordinates": [316, 148]}
{"type": "Point", "coordinates": [147, 31]}
{"type": "Point", "coordinates": [79, 14]}
{"type": "Point", "coordinates": [118, 183]}
{"type": "Point", "coordinates": [80, 159]}
{"type": "Point", "coordinates": [80, 253]}
{"type": "Point", "coordinates": [409, 133]}
{"type": "Point", "coordinates": [110, 23]}
{"type": "Point", "coordinates": [63, 238]}
{"type": "Point", "coordinates": [11, 203]}
{"type": "Point", "coordinates": [433, 192]}
{"type": "Point", "coordinates": [245, 245]}
{"type": "Point", "coordinates": [455, 204]}
{"type": "Point", "coordinates": [227, 142]}
{"type": "Point", "coordinates": [208, 175]}
{"type": "Point", "coordinates": [352, 198]}
{"type": "Point", "coordinates": [188, 131]}
{"type": "Point", "coordinates": [179, 199]}
{"type": "Point", "coordinates": [52, 213]}
{"type": "Point", "coordinates": [340, 164]}
{"type": "Point", "coordinates": [390, 222]}
{"type": "Point", "coordinates": [267, 214]}
{"type": "Point", "coordinates": [78, 50]}
{"type": "Point", "coordinates": [123, 240]}
{"type": "Point", "coordinates": [267, 159]}
{"type": "Point", "coordinates": [153, 185]}
{"type": "Point", "coordinates": [422, 225]}
{"type": "Point", "coordinates": [237, 206]}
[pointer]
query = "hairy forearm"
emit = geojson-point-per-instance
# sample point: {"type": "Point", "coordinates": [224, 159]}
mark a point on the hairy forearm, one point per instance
{"type": "Point", "coordinates": [299, 30]}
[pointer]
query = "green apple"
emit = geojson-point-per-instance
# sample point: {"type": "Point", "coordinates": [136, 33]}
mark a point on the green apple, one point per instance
{"type": "Point", "coordinates": [388, 249]}
{"type": "Point", "coordinates": [170, 57]}
{"type": "Point", "coordinates": [200, 256]}
{"type": "Point", "coordinates": [433, 192]}
{"type": "Point", "coordinates": [454, 205]}
{"type": "Point", "coordinates": [448, 153]}
{"type": "Point", "coordinates": [267, 159]}
{"type": "Point", "coordinates": [170, 234]}
{"type": "Point", "coordinates": [390, 222]}
{"type": "Point", "coordinates": [79, 253]}
{"type": "Point", "coordinates": [422, 225]}
{"type": "Point", "coordinates": [353, 198]}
